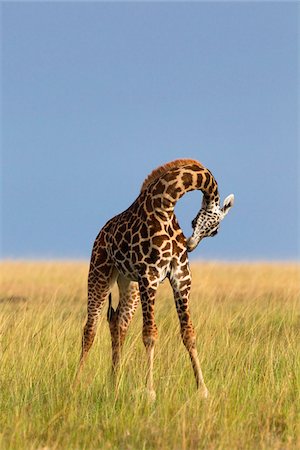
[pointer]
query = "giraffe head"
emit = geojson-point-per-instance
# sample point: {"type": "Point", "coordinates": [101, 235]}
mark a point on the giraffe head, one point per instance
{"type": "Point", "coordinates": [207, 221]}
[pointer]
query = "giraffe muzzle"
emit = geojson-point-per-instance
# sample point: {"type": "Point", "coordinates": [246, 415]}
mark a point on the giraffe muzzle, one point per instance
{"type": "Point", "coordinates": [192, 243]}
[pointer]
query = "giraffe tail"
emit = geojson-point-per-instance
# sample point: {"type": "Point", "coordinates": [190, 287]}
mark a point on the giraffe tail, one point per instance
{"type": "Point", "coordinates": [110, 311]}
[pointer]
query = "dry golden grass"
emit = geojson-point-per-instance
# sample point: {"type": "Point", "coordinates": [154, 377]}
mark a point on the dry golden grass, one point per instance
{"type": "Point", "coordinates": [247, 319]}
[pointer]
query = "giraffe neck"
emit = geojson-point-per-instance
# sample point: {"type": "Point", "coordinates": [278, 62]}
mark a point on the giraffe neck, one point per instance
{"type": "Point", "coordinates": [172, 185]}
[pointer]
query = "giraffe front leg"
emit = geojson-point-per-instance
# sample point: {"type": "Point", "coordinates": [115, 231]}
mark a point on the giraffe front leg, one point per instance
{"type": "Point", "coordinates": [189, 340]}
{"type": "Point", "coordinates": [181, 284]}
{"type": "Point", "coordinates": [148, 292]}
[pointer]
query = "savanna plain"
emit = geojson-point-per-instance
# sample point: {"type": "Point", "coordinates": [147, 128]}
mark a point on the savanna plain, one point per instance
{"type": "Point", "coordinates": [247, 320]}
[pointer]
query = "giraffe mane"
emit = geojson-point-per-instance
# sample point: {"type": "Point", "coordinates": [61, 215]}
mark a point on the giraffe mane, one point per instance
{"type": "Point", "coordinates": [161, 170]}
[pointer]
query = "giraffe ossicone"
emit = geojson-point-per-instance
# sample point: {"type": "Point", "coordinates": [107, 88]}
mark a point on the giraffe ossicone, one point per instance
{"type": "Point", "coordinates": [141, 247]}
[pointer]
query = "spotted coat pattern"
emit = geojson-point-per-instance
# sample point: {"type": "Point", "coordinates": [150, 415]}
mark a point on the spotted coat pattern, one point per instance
{"type": "Point", "coordinates": [139, 248]}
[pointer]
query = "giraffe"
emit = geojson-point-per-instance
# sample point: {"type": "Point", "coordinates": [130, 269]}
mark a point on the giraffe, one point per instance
{"type": "Point", "coordinates": [141, 247]}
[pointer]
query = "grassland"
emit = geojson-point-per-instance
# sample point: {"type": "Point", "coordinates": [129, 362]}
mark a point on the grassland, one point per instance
{"type": "Point", "coordinates": [247, 319]}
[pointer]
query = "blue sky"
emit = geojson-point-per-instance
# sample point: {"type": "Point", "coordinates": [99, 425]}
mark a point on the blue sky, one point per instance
{"type": "Point", "coordinates": [96, 95]}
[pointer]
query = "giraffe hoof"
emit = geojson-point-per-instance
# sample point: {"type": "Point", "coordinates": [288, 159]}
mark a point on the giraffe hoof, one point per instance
{"type": "Point", "coordinates": [151, 395]}
{"type": "Point", "coordinates": [203, 392]}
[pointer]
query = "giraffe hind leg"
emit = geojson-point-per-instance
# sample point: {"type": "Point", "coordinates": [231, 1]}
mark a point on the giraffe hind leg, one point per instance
{"type": "Point", "coordinates": [149, 329]}
{"type": "Point", "coordinates": [89, 330]}
{"type": "Point", "coordinates": [99, 285]}
{"type": "Point", "coordinates": [119, 319]}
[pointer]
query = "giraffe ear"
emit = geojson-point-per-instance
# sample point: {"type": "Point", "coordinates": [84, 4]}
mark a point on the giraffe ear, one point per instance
{"type": "Point", "coordinates": [228, 203]}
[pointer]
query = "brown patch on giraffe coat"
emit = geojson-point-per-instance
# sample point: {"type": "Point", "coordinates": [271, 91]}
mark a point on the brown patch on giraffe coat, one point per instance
{"type": "Point", "coordinates": [160, 239]}
{"type": "Point", "coordinates": [166, 245]}
{"type": "Point", "coordinates": [199, 179]}
{"type": "Point", "coordinates": [136, 238]}
{"type": "Point", "coordinates": [124, 247]}
{"type": "Point", "coordinates": [207, 181]}
{"type": "Point", "coordinates": [170, 231]}
{"type": "Point", "coordinates": [154, 224]}
{"type": "Point", "coordinates": [177, 249]}
{"type": "Point", "coordinates": [120, 256]}
{"type": "Point", "coordinates": [145, 246]}
{"type": "Point", "coordinates": [118, 236]}
{"type": "Point", "coordinates": [171, 188]}
{"type": "Point", "coordinates": [144, 231]}
{"type": "Point", "coordinates": [183, 257]}
{"type": "Point", "coordinates": [163, 262]}
{"type": "Point", "coordinates": [187, 180]}
{"type": "Point", "coordinates": [157, 203]}
{"type": "Point", "coordinates": [158, 189]}
{"type": "Point", "coordinates": [122, 227]}
{"type": "Point", "coordinates": [148, 204]}
{"type": "Point", "coordinates": [127, 236]}
{"type": "Point", "coordinates": [153, 257]}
